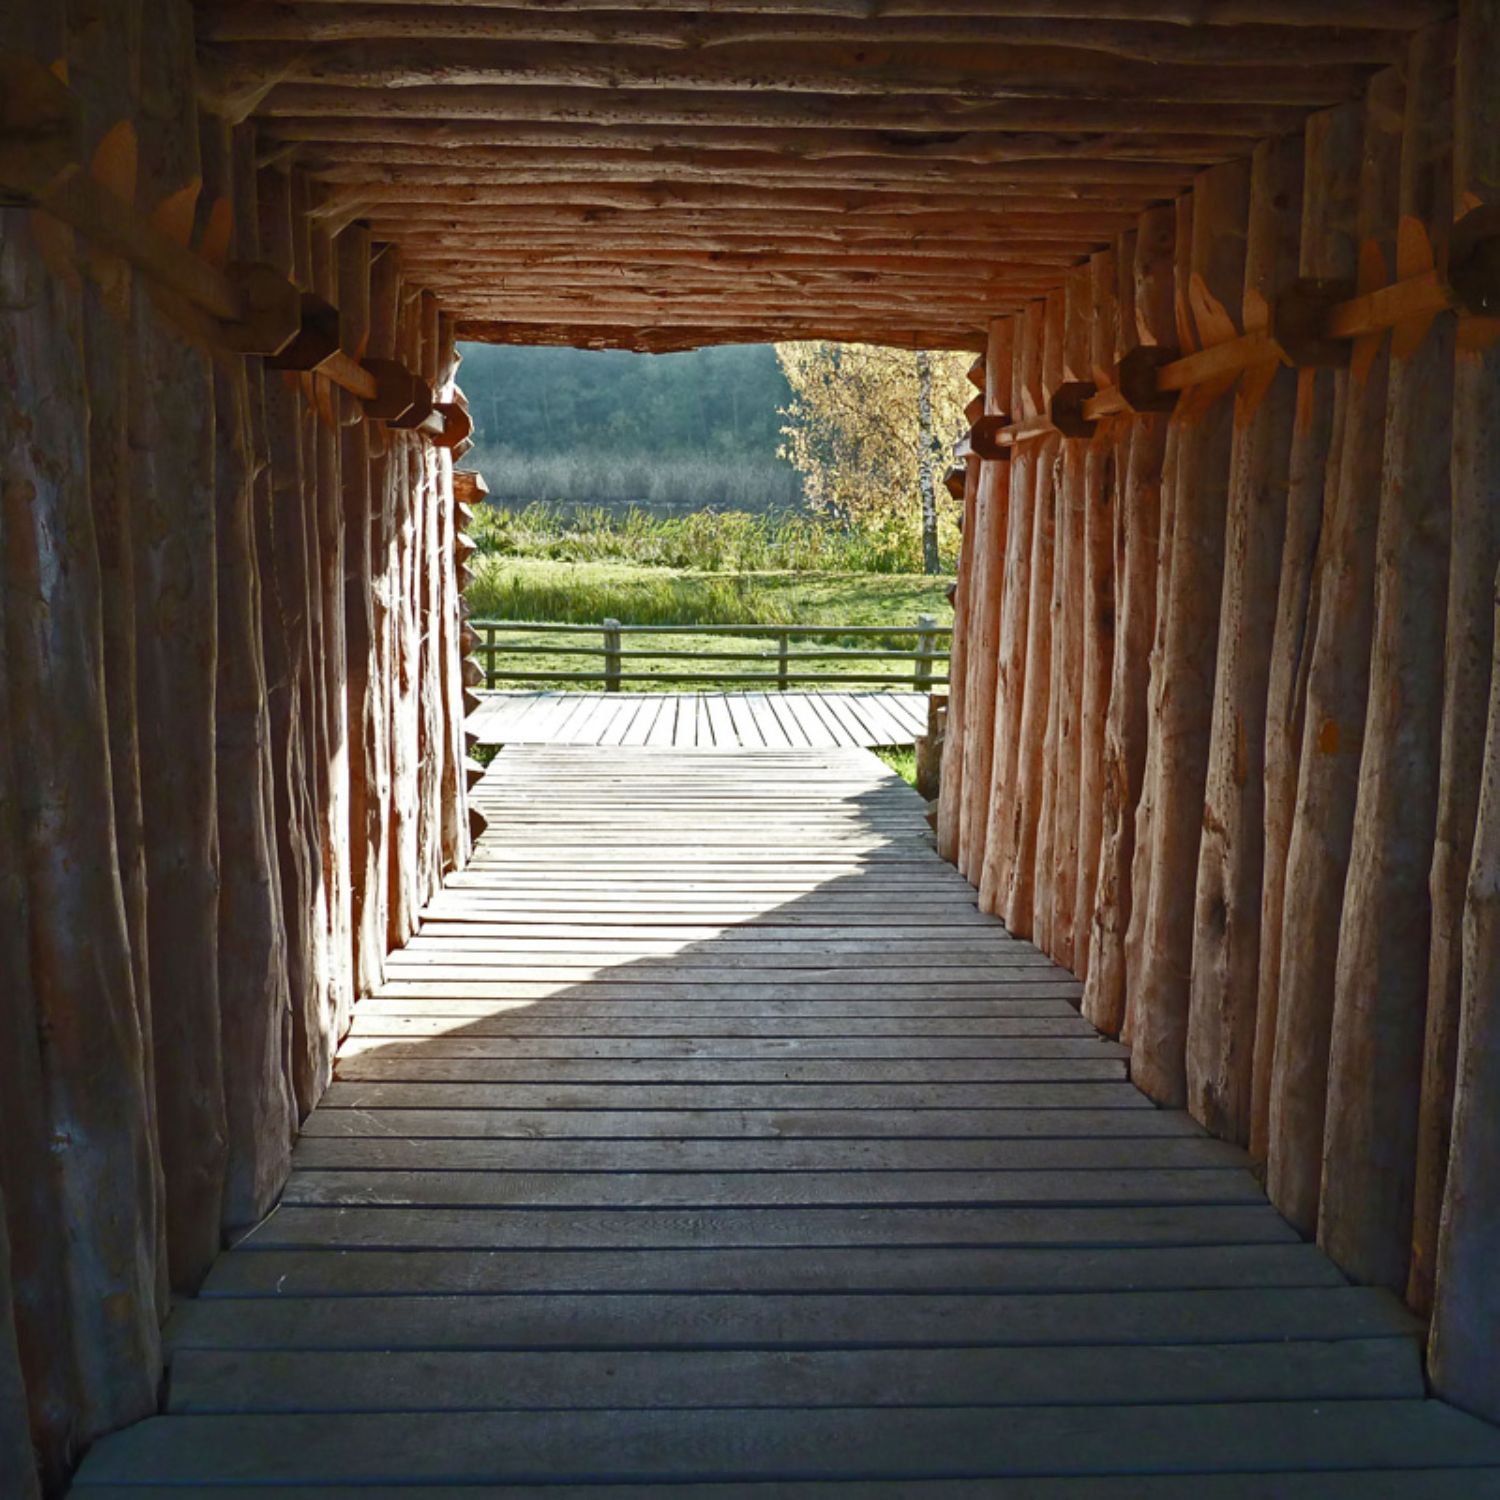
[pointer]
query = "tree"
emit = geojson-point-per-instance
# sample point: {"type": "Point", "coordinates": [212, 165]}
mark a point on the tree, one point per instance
{"type": "Point", "coordinates": [863, 427]}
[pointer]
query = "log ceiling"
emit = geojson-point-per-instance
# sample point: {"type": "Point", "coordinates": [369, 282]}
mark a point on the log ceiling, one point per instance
{"type": "Point", "coordinates": [660, 175]}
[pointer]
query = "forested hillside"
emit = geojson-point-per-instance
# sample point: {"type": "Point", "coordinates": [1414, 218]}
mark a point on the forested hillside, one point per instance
{"type": "Point", "coordinates": [672, 431]}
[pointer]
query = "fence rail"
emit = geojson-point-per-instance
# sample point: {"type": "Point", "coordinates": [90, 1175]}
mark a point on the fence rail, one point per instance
{"type": "Point", "coordinates": [926, 658]}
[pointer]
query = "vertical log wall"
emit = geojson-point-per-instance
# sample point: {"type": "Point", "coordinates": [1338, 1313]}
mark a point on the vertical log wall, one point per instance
{"type": "Point", "coordinates": [1233, 664]}
{"type": "Point", "coordinates": [230, 685]}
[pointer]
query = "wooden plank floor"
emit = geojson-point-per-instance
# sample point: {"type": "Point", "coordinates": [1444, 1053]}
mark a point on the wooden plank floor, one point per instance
{"type": "Point", "coordinates": [702, 721]}
{"type": "Point", "coordinates": [707, 1141]}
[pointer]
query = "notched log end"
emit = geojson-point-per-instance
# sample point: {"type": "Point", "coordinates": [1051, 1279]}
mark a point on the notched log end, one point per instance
{"type": "Point", "coordinates": [984, 437]}
{"type": "Point", "coordinates": [1474, 260]}
{"type": "Point", "coordinates": [41, 130]}
{"type": "Point", "coordinates": [1300, 316]}
{"type": "Point", "coordinates": [1135, 376]}
{"type": "Point", "coordinates": [272, 309]}
{"type": "Point", "coordinates": [955, 480]}
{"type": "Point", "coordinates": [316, 339]}
{"type": "Point", "coordinates": [1066, 408]}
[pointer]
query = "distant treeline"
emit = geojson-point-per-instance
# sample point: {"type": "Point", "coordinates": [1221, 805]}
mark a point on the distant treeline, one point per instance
{"type": "Point", "coordinates": [668, 431]}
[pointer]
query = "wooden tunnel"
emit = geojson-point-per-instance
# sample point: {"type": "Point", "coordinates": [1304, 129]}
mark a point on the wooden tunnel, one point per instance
{"type": "Point", "coordinates": [1224, 728]}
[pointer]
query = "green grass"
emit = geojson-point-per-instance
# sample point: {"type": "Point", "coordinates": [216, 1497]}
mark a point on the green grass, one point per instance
{"type": "Point", "coordinates": [901, 760]}
{"type": "Point", "coordinates": [507, 588]}
{"type": "Point", "coordinates": [583, 566]}
{"type": "Point", "coordinates": [705, 541]}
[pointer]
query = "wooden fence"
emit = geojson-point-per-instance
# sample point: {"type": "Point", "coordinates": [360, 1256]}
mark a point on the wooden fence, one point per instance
{"type": "Point", "coordinates": [622, 664]}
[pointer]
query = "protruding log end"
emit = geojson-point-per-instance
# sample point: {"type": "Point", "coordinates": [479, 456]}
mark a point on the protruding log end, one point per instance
{"type": "Point", "coordinates": [1135, 376]}
{"type": "Point", "coordinates": [974, 410]}
{"type": "Point", "coordinates": [457, 424]}
{"type": "Point", "coordinates": [976, 373]}
{"type": "Point", "coordinates": [464, 546]}
{"type": "Point", "coordinates": [318, 337]}
{"type": "Point", "coordinates": [469, 488]}
{"type": "Point", "coordinates": [955, 479]}
{"type": "Point", "coordinates": [272, 316]}
{"type": "Point", "coordinates": [1300, 316]}
{"type": "Point", "coordinates": [477, 824]}
{"type": "Point", "coordinates": [472, 702]}
{"type": "Point", "coordinates": [1066, 408]}
{"type": "Point", "coordinates": [984, 436]}
{"type": "Point", "coordinates": [473, 773]}
{"type": "Point", "coordinates": [473, 673]}
{"type": "Point", "coordinates": [397, 392]}
{"type": "Point", "coordinates": [1474, 260]}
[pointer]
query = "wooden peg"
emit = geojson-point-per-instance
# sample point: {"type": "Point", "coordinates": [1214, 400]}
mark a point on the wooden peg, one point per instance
{"type": "Point", "coordinates": [985, 437]}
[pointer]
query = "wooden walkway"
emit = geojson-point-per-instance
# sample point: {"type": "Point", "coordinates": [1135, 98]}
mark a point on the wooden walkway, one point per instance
{"type": "Point", "coordinates": [718, 721]}
{"type": "Point", "coordinates": [709, 1142]}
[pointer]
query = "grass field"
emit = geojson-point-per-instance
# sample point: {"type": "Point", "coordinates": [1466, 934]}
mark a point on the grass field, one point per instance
{"type": "Point", "coordinates": [709, 568]}
{"type": "Point", "coordinates": [512, 588]}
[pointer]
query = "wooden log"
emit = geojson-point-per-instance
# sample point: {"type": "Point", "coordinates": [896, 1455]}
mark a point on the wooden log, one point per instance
{"type": "Point", "coordinates": [1190, 644]}
{"type": "Point", "coordinates": [453, 822]}
{"type": "Point", "coordinates": [951, 773]}
{"type": "Point", "coordinates": [1015, 616]}
{"type": "Point", "coordinates": [385, 290]}
{"type": "Point", "coordinates": [172, 452]}
{"type": "Point", "coordinates": [1136, 549]}
{"type": "Point", "coordinates": [104, 44]}
{"type": "Point", "coordinates": [1103, 473]}
{"type": "Point", "coordinates": [281, 536]}
{"type": "Point", "coordinates": [1141, 869]}
{"type": "Point", "coordinates": [254, 997]}
{"type": "Point", "coordinates": [1465, 1361]}
{"type": "Point", "coordinates": [1226, 936]}
{"type": "Point", "coordinates": [1018, 905]}
{"type": "Point", "coordinates": [1473, 560]}
{"type": "Point", "coordinates": [1380, 998]}
{"type": "Point", "coordinates": [404, 666]}
{"type": "Point", "coordinates": [1061, 876]}
{"type": "Point", "coordinates": [42, 1318]}
{"type": "Point", "coordinates": [1334, 716]}
{"type": "Point", "coordinates": [18, 1465]}
{"type": "Point", "coordinates": [1330, 253]}
{"type": "Point", "coordinates": [431, 735]}
{"type": "Point", "coordinates": [988, 583]}
{"type": "Point", "coordinates": [94, 1174]}
{"type": "Point", "coordinates": [334, 409]}
{"type": "Point", "coordinates": [361, 692]}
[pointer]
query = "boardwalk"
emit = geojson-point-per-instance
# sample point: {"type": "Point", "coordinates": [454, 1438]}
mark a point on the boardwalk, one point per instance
{"type": "Point", "coordinates": [719, 721]}
{"type": "Point", "coordinates": [708, 1134]}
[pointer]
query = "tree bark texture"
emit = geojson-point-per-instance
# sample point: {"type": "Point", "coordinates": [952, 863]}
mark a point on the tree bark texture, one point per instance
{"type": "Point", "coordinates": [1137, 518]}
{"type": "Point", "coordinates": [1465, 1354]}
{"type": "Point", "coordinates": [1380, 997]}
{"type": "Point", "coordinates": [167, 959]}
{"type": "Point", "coordinates": [1329, 252]}
{"type": "Point", "coordinates": [1205, 418]}
{"type": "Point", "coordinates": [1334, 716]}
{"type": "Point", "coordinates": [1474, 557]}
{"type": "Point", "coordinates": [993, 871]}
{"type": "Point", "coordinates": [1101, 476]}
{"type": "Point", "coordinates": [1226, 937]}
{"type": "Point", "coordinates": [987, 585]}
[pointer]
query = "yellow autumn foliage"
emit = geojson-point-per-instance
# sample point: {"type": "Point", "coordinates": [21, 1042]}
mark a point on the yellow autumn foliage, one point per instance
{"type": "Point", "coordinates": [852, 428]}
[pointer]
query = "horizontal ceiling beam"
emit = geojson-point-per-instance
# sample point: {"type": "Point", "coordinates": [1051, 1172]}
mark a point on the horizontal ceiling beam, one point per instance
{"type": "Point", "coordinates": [1141, 40]}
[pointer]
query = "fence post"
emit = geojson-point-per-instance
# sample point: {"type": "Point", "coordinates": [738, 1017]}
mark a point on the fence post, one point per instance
{"type": "Point", "coordinates": [781, 661]}
{"type": "Point", "coordinates": [611, 656]}
{"type": "Point", "coordinates": [489, 656]}
{"type": "Point", "coordinates": [926, 640]}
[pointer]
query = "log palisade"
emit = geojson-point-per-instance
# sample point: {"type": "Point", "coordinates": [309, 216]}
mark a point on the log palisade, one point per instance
{"type": "Point", "coordinates": [193, 891]}
{"type": "Point", "coordinates": [1300, 605]}
{"type": "Point", "coordinates": [1224, 733]}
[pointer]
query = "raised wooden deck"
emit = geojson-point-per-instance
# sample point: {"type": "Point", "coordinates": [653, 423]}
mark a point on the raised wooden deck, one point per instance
{"type": "Point", "coordinates": [717, 721]}
{"type": "Point", "coordinates": [709, 1142]}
